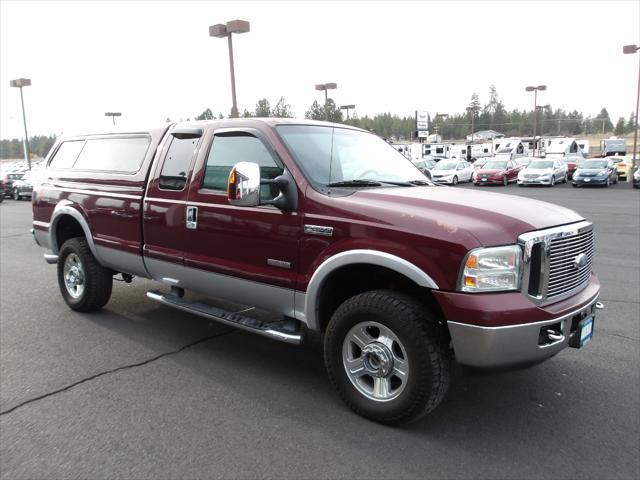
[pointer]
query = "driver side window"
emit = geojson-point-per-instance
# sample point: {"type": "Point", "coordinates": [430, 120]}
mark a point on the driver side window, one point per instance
{"type": "Point", "coordinates": [229, 149]}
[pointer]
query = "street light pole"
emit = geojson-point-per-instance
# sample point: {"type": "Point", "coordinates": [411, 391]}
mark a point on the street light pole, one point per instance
{"type": "Point", "coordinates": [220, 31]}
{"type": "Point", "coordinates": [627, 49]}
{"type": "Point", "coordinates": [535, 111]}
{"type": "Point", "coordinates": [113, 115]}
{"type": "Point", "coordinates": [325, 87]}
{"type": "Point", "coordinates": [347, 108]}
{"type": "Point", "coordinates": [19, 83]}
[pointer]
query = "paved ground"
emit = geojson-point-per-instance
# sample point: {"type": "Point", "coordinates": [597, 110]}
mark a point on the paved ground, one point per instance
{"type": "Point", "coordinates": [142, 391]}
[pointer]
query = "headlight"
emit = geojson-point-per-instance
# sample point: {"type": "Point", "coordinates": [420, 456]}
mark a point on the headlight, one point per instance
{"type": "Point", "coordinates": [602, 172]}
{"type": "Point", "coordinates": [491, 269]}
{"type": "Point", "coordinates": [545, 175]}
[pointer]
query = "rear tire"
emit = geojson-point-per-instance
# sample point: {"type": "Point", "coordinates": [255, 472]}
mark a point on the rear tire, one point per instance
{"type": "Point", "coordinates": [399, 335]}
{"type": "Point", "coordinates": [84, 283]}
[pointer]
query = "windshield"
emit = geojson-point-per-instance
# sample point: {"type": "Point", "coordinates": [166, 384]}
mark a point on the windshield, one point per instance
{"type": "Point", "coordinates": [540, 164]}
{"type": "Point", "coordinates": [593, 164]}
{"type": "Point", "coordinates": [495, 165]}
{"type": "Point", "coordinates": [522, 161]}
{"type": "Point", "coordinates": [330, 154]}
{"type": "Point", "coordinates": [442, 165]}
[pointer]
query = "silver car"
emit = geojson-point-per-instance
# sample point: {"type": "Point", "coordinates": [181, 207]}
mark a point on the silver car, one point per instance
{"type": "Point", "coordinates": [543, 171]}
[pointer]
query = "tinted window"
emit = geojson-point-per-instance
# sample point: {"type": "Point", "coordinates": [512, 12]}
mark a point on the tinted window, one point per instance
{"type": "Point", "coordinates": [113, 154]}
{"type": "Point", "coordinates": [176, 163]}
{"type": "Point", "coordinates": [227, 150]}
{"type": "Point", "coordinates": [66, 155]}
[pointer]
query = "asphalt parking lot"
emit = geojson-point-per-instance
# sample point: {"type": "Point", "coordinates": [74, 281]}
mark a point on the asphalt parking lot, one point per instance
{"type": "Point", "coordinates": [142, 391]}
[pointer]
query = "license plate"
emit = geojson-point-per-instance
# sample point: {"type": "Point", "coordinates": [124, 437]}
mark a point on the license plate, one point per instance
{"type": "Point", "coordinates": [584, 332]}
{"type": "Point", "coordinates": [587, 179]}
{"type": "Point", "coordinates": [484, 179]}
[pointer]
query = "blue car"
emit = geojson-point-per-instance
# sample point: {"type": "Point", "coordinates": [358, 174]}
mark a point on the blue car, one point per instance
{"type": "Point", "coordinates": [598, 171]}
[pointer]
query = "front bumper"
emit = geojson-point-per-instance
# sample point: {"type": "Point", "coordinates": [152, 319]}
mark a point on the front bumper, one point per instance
{"type": "Point", "coordinates": [445, 180]}
{"type": "Point", "coordinates": [590, 180]}
{"type": "Point", "coordinates": [489, 181]}
{"type": "Point", "coordinates": [534, 181]}
{"type": "Point", "coordinates": [507, 328]}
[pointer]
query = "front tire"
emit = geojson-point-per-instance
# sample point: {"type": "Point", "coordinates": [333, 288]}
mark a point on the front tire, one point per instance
{"type": "Point", "coordinates": [455, 180]}
{"type": "Point", "coordinates": [16, 195]}
{"type": "Point", "coordinates": [552, 182]}
{"type": "Point", "coordinates": [387, 357]}
{"type": "Point", "coordinates": [84, 283]}
{"type": "Point", "coordinates": [505, 181]}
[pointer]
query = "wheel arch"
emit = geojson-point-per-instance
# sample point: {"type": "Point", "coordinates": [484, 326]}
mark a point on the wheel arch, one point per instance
{"type": "Point", "coordinates": [395, 268]}
{"type": "Point", "coordinates": [65, 214]}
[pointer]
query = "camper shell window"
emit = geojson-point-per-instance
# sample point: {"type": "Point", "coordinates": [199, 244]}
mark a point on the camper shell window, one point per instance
{"type": "Point", "coordinates": [115, 154]}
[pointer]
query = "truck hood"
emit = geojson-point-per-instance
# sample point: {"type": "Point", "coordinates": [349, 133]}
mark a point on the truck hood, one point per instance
{"type": "Point", "coordinates": [491, 218]}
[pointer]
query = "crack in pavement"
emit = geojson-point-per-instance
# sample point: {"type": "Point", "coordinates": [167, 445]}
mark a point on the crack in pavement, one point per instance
{"type": "Point", "coordinates": [113, 370]}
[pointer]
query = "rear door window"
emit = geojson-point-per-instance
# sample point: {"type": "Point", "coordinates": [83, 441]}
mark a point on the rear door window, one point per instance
{"type": "Point", "coordinates": [176, 163]}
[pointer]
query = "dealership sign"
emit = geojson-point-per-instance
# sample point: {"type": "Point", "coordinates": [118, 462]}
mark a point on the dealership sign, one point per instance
{"type": "Point", "coordinates": [422, 122]}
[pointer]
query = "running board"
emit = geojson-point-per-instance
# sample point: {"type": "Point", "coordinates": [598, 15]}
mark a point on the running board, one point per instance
{"type": "Point", "coordinates": [273, 330]}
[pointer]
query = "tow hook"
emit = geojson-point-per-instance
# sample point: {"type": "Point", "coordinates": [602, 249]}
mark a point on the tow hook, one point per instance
{"type": "Point", "coordinates": [600, 305]}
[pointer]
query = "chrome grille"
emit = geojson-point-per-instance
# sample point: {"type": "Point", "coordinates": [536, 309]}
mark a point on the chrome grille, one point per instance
{"type": "Point", "coordinates": [564, 274]}
{"type": "Point", "coordinates": [557, 261]}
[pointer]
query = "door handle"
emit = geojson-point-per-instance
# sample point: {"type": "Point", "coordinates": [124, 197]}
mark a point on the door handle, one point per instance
{"type": "Point", "coordinates": [192, 217]}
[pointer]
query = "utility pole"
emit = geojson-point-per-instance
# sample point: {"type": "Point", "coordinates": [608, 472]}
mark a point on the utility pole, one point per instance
{"type": "Point", "coordinates": [19, 83]}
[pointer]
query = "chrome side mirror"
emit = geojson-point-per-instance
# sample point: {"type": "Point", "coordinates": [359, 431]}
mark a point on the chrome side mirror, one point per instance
{"type": "Point", "coordinates": [243, 186]}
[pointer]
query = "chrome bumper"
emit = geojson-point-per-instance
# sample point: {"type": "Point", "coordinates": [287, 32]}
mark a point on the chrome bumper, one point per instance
{"type": "Point", "coordinates": [490, 347]}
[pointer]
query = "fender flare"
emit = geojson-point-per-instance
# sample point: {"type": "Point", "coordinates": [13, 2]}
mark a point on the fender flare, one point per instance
{"type": "Point", "coordinates": [65, 207]}
{"type": "Point", "coordinates": [350, 257]}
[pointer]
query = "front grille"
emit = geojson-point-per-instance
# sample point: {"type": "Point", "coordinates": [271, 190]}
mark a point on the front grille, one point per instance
{"type": "Point", "coordinates": [557, 261]}
{"type": "Point", "coordinates": [531, 176]}
{"type": "Point", "coordinates": [564, 274]}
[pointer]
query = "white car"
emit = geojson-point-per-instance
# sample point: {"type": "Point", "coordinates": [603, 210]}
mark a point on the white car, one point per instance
{"type": "Point", "coordinates": [452, 172]}
{"type": "Point", "coordinates": [543, 171]}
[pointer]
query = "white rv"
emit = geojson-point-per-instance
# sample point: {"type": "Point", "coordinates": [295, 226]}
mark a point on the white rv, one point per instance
{"type": "Point", "coordinates": [584, 146]}
{"type": "Point", "coordinates": [459, 152]}
{"type": "Point", "coordinates": [481, 150]}
{"type": "Point", "coordinates": [510, 149]}
{"type": "Point", "coordinates": [563, 148]}
{"type": "Point", "coordinates": [436, 151]}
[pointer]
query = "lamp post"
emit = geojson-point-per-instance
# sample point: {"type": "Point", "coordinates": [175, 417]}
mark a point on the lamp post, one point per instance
{"type": "Point", "coordinates": [19, 83]}
{"type": "Point", "coordinates": [113, 115]}
{"type": "Point", "coordinates": [535, 111]}
{"type": "Point", "coordinates": [325, 87]}
{"type": "Point", "coordinates": [442, 116]}
{"type": "Point", "coordinates": [220, 31]}
{"type": "Point", "coordinates": [472, 111]}
{"type": "Point", "coordinates": [628, 49]}
{"type": "Point", "coordinates": [347, 108]}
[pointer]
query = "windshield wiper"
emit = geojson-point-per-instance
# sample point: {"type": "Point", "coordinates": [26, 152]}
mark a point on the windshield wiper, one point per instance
{"type": "Point", "coordinates": [355, 183]}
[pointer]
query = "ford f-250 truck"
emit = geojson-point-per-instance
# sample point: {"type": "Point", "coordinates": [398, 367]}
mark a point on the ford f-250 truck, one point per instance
{"type": "Point", "coordinates": [332, 229]}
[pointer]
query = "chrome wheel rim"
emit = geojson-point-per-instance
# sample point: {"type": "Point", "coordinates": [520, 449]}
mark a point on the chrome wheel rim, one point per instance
{"type": "Point", "coordinates": [73, 275]}
{"type": "Point", "coordinates": [375, 361]}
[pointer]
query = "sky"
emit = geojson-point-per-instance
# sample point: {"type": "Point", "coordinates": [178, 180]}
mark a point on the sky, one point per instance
{"type": "Point", "coordinates": [152, 60]}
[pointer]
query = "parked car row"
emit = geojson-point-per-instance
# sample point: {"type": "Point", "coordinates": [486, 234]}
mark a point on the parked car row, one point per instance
{"type": "Point", "coordinates": [530, 171]}
{"type": "Point", "coordinates": [17, 185]}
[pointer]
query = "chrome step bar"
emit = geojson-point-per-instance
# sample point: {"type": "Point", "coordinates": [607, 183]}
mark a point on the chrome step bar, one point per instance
{"type": "Point", "coordinates": [273, 330]}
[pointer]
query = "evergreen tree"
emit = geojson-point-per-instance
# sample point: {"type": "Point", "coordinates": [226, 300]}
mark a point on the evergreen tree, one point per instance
{"type": "Point", "coordinates": [263, 108]}
{"type": "Point", "coordinates": [604, 122]}
{"type": "Point", "coordinates": [282, 109]}
{"type": "Point", "coordinates": [619, 130]}
{"type": "Point", "coordinates": [206, 115]}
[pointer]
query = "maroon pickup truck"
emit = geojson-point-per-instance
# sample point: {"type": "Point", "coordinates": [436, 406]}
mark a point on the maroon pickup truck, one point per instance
{"type": "Point", "coordinates": [334, 231]}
